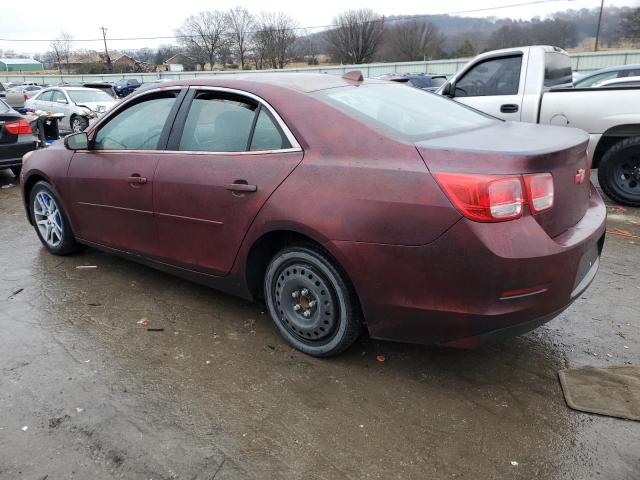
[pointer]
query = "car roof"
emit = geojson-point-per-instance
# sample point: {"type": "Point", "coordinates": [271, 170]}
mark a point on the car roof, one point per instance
{"type": "Point", "coordinates": [614, 81]}
{"type": "Point", "coordinates": [300, 82]}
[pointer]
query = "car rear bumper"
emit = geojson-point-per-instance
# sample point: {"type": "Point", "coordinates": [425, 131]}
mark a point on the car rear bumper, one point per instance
{"type": "Point", "coordinates": [11, 153]}
{"type": "Point", "coordinates": [477, 281]}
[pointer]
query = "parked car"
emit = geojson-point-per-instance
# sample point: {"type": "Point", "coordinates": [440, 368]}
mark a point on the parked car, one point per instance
{"type": "Point", "coordinates": [3, 91]}
{"type": "Point", "coordinates": [418, 80]}
{"type": "Point", "coordinates": [80, 105]}
{"type": "Point", "coordinates": [17, 96]}
{"type": "Point", "coordinates": [594, 79]}
{"type": "Point", "coordinates": [126, 86]}
{"type": "Point", "coordinates": [16, 138]}
{"type": "Point", "coordinates": [336, 199]}
{"type": "Point", "coordinates": [533, 84]}
{"type": "Point", "coordinates": [106, 87]}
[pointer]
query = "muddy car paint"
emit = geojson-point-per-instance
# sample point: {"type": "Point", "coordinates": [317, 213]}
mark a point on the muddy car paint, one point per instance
{"type": "Point", "coordinates": [421, 272]}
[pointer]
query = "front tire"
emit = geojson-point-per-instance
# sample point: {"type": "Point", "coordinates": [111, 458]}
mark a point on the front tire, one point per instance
{"type": "Point", "coordinates": [311, 302]}
{"type": "Point", "coordinates": [50, 221]}
{"type": "Point", "coordinates": [79, 124]}
{"type": "Point", "coordinates": [619, 172]}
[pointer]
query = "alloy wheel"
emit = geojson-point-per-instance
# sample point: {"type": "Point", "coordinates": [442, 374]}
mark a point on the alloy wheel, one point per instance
{"type": "Point", "coordinates": [48, 219]}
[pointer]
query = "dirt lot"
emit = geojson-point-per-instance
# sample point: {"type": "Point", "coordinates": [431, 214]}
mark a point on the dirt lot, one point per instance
{"type": "Point", "coordinates": [217, 394]}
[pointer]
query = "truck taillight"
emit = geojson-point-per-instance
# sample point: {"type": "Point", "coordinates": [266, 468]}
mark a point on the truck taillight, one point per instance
{"type": "Point", "coordinates": [484, 198]}
{"type": "Point", "coordinates": [539, 188]}
{"type": "Point", "coordinates": [20, 127]}
{"type": "Point", "coordinates": [497, 198]}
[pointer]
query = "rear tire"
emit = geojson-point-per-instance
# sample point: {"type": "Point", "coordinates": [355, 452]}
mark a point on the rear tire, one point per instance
{"type": "Point", "coordinates": [50, 221]}
{"type": "Point", "coordinates": [311, 301]}
{"type": "Point", "coordinates": [619, 172]}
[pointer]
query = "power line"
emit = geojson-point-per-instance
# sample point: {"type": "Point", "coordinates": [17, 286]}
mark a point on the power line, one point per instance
{"type": "Point", "coordinates": [385, 20]}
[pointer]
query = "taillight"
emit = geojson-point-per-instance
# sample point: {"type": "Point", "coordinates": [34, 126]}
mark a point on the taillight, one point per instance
{"type": "Point", "coordinates": [26, 97]}
{"type": "Point", "coordinates": [497, 198]}
{"type": "Point", "coordinates": [539, 191]}
{"type": "Point", "coordinates": [484, 198]}
{"type": "Point", "coordinates": [20, 127]}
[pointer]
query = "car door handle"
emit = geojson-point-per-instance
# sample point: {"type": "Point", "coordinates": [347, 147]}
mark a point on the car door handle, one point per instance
{"type": "Point", "coordinates": [137, 179]}
{"type": "Point", "coordinates": [509, 108]}
{"type": "Point", "coordinates": [242, 187]}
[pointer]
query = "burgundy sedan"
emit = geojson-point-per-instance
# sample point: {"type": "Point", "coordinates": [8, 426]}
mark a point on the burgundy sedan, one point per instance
{"type": "Point", "coordinates": [346, 204]}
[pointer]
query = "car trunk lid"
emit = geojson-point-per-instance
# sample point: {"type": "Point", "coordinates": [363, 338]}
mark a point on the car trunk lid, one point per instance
{"type": "Point", "coordinates": [511, 148]}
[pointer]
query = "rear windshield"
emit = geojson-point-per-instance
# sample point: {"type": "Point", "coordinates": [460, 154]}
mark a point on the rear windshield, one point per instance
{"type": "Point", "coordinates": [407, 113]}
{"type": "Point", "coordinates": [557, 69]}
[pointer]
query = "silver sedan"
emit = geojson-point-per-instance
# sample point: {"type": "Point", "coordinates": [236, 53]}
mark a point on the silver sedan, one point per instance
{"type": "Point", "coordinates": [80, 106]}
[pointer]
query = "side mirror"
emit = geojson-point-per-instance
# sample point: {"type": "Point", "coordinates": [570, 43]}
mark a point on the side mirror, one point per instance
{"type": "Point", "coordinates": [447, 90]}
{"type": "Point", "coordinates": [61, 100]}
{"type": "Point", "coordinates": [77, 141]}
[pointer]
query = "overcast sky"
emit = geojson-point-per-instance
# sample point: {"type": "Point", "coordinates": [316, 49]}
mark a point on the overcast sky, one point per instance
{"type": "Point", "coordinates": [44, 19]}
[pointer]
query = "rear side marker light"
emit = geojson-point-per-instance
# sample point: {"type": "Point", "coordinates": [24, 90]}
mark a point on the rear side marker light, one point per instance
{"type": "Point", "coordinates": [21, 127]}
{"type": "Point", "coordinates": [539, 188]}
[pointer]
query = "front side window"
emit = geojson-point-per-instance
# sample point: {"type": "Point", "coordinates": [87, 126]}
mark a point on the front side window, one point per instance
{"type": "Point", "coordinates": [498, 76]}
{"type": "Point", "coordinates": [405, 113]}
{"type": "Point", "coordinates": [45, 96]}
{"type": "Point", "coordinates": [139, 127]}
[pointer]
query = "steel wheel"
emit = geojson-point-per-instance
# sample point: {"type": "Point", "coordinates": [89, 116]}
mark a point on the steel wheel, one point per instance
{"type": "Point", "coordinates": [619, 172]}
{"type": "Point", "coordinates": [310, 301]}
{"type": "Point", "coordinates": [48, 219]}
{"type": "Point", "coordinates": [627, 174]}
{"type": "Point", "coordinates": [306, 301]}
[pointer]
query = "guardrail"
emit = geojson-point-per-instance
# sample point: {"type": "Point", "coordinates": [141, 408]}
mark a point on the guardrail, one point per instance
{"type": "Point", "coordinates": [581, 62]}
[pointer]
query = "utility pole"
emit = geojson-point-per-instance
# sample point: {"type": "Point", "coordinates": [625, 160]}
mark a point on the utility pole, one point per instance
{"type": "Point", "coordinates": [599, 22]}
{"type": "Point", "coordinates": [106, 51]}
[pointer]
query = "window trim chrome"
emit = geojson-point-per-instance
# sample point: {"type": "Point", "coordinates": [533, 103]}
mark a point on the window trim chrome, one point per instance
{"type": "Point", "coordinates": [295, 145]}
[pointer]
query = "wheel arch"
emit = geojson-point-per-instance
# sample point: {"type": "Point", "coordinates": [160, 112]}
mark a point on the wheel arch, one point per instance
{"type": "Point", "coordinates": [269, 243]}
{"type": "Point", "coordinates": [612, 136]}
{"type": "Point", "coordinates": [29, 183]}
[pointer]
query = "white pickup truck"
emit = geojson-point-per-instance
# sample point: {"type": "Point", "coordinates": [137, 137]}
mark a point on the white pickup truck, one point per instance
{"type": "Point", "coordinates": [534, 84]}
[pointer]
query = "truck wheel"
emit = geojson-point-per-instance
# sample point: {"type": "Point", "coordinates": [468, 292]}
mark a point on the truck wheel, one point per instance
{"type": "Point", "coordinates": [78, 124]}
{"type": "Point", "coordinates": [619, 172]}
{"type": "Point", "coordinates": [311, 301]}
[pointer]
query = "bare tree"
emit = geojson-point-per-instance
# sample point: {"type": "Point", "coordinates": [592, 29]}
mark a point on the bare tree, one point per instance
{"type": "Point", "coordinates": [241, 23]}
{"type": "Point", "coordinates": [61, 47]}
{"type": "Point", "coordinates": [203, 35]}
{"type": "Point", "coordinates": [357, 35]}
{"type": "Point", "coordinates": [274, 38]}
{"type": "Point", "coordinates": [630, 25]}
{"type": "Point", "coordinates": [413, 40]}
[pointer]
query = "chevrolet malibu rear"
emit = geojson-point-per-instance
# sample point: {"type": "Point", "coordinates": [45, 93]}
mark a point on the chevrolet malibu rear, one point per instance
{"type": "Point", "coordinates": [343, 204]}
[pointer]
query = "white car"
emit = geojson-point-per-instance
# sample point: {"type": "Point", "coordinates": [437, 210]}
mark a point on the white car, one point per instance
{"type": "Point", "coordinates": [534, 84]}
{"type": "Point", "coordinates": [621, 82]}
{"type": "Point", "coordinates": [80, 106]}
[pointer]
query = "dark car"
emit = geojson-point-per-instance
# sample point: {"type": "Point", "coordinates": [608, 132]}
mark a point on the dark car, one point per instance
{"type": "Point", "coordinates": [16, 138]}
{"type": "Point", "coordinates": [126, 86]}
{"type": "Point", "coordinates": [594, 79]}
{"type": "Point", "coordinates": [3, 91]}
{"type": "Point", "coordinates": [343, 203]}
{"type": "Point", "coordinates": [419, 80]}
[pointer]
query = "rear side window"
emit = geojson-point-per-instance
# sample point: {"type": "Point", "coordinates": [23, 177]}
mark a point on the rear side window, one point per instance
{"type": "Point", "coordinates": [58, 96]}
{"type": "Point", "coordinates": [139, 127]}
{"type": "Point", "coordinates": [222, 122]}
{"type": "Point", "coordinates": [496, 76]}
{"type": "Point", "coordinates": [557, 69]}
{"type": "Point", "coordinates": [266, 135]}
{"type": "Point", "coordinates": [406, 113]}
{"type": "Point", "coordinates": [217, 123]}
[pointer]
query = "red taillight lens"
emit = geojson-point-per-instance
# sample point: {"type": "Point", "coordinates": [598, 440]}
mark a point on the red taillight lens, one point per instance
{"type": "Point", "coordinates": [26, 97]}
{"type": "Point", "coordinates": [484, 198]}
{"type": "Point", "coordinates": [20, 127]}
{"type": "Point", "coordinates": [539, 191]}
